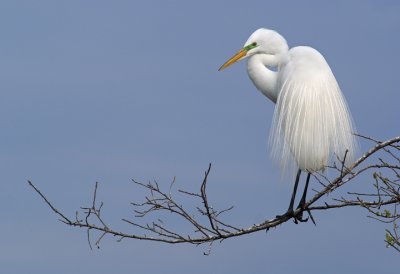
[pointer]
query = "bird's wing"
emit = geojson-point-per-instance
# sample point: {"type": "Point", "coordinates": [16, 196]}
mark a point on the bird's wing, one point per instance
{"type": "Point", "coordinates": [311, 120]}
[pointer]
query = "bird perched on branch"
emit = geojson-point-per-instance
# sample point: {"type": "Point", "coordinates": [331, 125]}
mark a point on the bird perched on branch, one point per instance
{"type": "Point", "coordinates": [311, 123]}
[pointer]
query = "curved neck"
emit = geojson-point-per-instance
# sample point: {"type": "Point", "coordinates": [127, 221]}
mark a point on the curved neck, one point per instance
{"type": "Point", "coordinates": [263, 78]}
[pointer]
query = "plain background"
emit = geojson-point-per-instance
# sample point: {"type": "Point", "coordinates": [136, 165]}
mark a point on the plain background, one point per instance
{"type": "Point", "coordinates": [108, 91]}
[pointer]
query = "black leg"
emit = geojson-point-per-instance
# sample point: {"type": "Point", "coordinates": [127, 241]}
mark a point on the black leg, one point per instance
{"type": "Point", "coordinates": [299, 216]}
{"type": "Point", "coordinates": [290, 211]}
{"type": "Point", "coordinates": [303, 198]}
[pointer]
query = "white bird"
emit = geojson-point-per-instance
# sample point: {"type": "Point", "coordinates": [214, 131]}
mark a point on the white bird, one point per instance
{"type": "Point", "coordinates": [311, 123]}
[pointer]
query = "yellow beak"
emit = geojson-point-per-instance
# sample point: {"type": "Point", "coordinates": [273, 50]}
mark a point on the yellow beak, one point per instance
{"type": "Point", "coordinates": [239, 55]}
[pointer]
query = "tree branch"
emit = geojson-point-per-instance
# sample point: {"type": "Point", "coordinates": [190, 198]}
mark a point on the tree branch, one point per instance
{"type": "Point", "coordinates": [384, 193]}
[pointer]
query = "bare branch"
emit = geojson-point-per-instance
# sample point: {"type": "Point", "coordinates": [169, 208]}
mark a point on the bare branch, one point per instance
{"type": "Point", "coordinates": [381, 204]}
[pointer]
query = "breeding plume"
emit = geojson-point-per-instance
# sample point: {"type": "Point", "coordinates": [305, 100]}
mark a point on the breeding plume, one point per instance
{"type": "Point", "coordinates": [311, 123]}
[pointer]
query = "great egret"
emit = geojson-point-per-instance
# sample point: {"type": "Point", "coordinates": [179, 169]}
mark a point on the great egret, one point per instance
{"type": "Point", "coordinates": [311, 121]}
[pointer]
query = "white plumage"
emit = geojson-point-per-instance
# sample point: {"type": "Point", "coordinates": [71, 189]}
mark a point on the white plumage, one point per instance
{"type": "Point", "coordinates": [311, 120]}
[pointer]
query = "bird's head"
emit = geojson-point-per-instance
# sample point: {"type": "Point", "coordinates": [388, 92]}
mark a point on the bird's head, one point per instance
{"type": "Point", "coordinates": [262, 41]}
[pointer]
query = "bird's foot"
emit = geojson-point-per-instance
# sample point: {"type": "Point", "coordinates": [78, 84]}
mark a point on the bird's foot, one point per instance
{"type": "Point", "coordinates": [290, 214]}
{"type": "Point", "coordinates": [298, 217]}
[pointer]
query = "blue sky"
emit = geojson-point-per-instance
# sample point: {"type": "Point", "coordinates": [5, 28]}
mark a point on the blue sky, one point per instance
{"type": "Point", "coordinates": [113, 90]}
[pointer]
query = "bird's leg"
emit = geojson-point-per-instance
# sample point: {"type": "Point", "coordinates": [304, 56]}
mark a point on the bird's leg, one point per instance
{"type": "Point", "coordinates": [290, 211]}
{"type": "Point", "coordinates": [299, 216]}
{"type": "Point", "coordinates": [303, 198]}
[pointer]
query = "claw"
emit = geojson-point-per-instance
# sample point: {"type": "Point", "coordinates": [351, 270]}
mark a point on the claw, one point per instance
{"type": "Point", "coordinates": [299, 217]}
{"type": "Point", "coordinates": [296, 218]}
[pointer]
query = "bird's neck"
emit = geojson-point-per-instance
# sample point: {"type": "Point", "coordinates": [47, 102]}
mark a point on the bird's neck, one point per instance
{"type": "Point", "coordinates": [264, 78]}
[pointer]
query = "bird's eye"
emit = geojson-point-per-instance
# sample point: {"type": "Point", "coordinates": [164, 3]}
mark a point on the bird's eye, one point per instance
{"type": "Point", "coordinates": [254, 44]}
